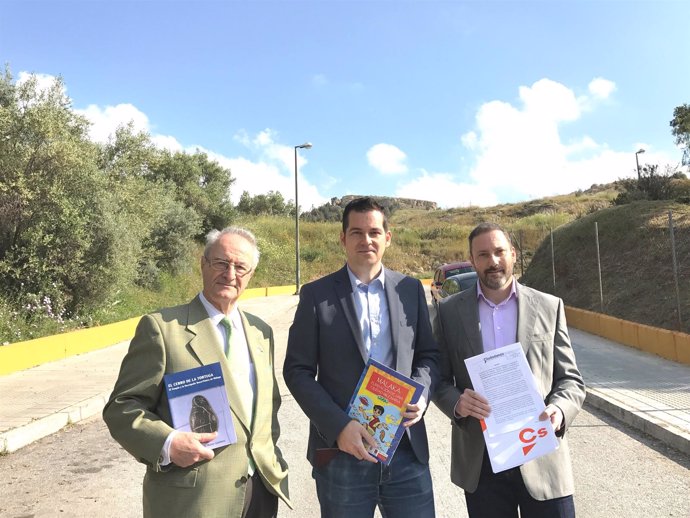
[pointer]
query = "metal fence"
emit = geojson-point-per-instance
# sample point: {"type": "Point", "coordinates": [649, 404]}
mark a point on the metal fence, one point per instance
{"type": "Point", "coordinates": [637, 268]}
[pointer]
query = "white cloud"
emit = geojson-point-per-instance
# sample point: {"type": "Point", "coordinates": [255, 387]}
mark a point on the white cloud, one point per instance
{"type": "Point", "coordinates": [446, 191]}
{"type": "Point", "coordinates": [387, 159]}
{"type": "Point", "coordinates": [271, 169]}
{"type": "Point", "coordinates": [519, 150]}
{"type": "Point", "coordinates": [601, 88]}
{"type": "Point", "coordinates": [516, 152]}
{"type": "Point", "coordinates": [169, 143]}
{"type": "Point", "coordinates": [104, 121]}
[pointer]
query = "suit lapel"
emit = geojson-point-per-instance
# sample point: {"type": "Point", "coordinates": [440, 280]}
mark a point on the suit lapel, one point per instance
{"type": "Point", "coordinates": [258, 350]}
{"type": "Point", "coordinates": [343, 288]}
{"type": "Point", "coordinates": [468, 309]}
{"type": "Point", "coordinates": [207, 349]}
{"type": "Point", "coordinates": [527, 315]}
{"type": "Point", "coordinates": [395, 308]}
{"type": "Point", "coordinates": [204, 344]}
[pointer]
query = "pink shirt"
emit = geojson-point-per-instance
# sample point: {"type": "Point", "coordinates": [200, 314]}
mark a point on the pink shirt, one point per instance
{"type": "Point", "coordinates": [498, 322]}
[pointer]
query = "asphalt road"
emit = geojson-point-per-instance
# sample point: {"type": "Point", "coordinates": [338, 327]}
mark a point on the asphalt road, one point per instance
{"type": "Point", "coordinates": [81, 471]}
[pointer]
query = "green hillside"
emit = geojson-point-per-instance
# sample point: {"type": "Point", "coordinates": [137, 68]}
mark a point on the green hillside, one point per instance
{"type": "Point", "coordinates": [636, 263]}
{"type": "Point", "coordinates": [422, 239]}
{"type": "Point", "coordinates": [634, 242]}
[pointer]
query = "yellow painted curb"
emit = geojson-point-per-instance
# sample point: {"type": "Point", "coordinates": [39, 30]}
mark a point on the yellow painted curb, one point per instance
{"type": "Point", "coordinates": [24, 355]}
{"type": "Point", "coordinates": [682, 341]}
{"type": "Point", "coordinates": [30, 353]}
{"type": "Point", "coordinates": [671, 345]}
{"type": "Point", "coordinates": [611, 328]}
{"type": "Point", "coordinates": [280, 290]}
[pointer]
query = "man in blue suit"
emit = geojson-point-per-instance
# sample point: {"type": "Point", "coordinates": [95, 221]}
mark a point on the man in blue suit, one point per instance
{"type": "Point", "coordinates": [362, 310]}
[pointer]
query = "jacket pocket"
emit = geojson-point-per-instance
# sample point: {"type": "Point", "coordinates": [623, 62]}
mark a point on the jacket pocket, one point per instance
{"type": "Point", "coordinates": [174, 478]}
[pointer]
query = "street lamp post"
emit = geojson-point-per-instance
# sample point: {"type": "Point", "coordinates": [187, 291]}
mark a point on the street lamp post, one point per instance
{"type": "Point", "coordinates": [637, 161]}
{"type": "Point", "coordinates": [306, 145]}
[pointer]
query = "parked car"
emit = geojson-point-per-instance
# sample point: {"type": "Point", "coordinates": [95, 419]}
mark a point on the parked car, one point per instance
{"type": "Point", "coordinates": [443, 272]}
{"type": "Point", "coordinates": [456, 284]}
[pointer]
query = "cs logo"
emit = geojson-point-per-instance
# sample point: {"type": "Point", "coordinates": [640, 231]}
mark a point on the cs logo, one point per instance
{"type": "Point", "coordinates": [528, 436]}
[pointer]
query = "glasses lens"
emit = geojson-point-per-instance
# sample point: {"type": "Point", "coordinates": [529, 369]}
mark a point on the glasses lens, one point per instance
{"type": "Point", "coordinates": [223, 266]}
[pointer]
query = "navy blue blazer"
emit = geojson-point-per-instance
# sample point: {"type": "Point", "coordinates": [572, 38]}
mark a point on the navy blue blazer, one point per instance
{"type": "Point", "coordinates": [326, 354]}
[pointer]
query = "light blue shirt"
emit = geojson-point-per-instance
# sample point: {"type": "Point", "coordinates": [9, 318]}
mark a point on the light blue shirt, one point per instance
{"type": "Point", "coordinates": [374, 318]}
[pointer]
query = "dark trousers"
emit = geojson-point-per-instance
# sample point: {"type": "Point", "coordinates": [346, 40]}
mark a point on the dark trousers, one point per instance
{"type": "Point", "coordinates": [259, 502]}
{"type": "Point", "coordinates": [499, 495]}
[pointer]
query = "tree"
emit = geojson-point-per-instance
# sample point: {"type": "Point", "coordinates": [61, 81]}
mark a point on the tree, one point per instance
{"type": "Point", "coordinates": [681, 129]}
{"type": "Point", "coordinates": [199, 183]}
{"type": "Point", "coordinates": [270, 204]}
{"type": "Point", "coordinates": [52, 198]}
{"type": "Point", "coordinates": [652, 185]}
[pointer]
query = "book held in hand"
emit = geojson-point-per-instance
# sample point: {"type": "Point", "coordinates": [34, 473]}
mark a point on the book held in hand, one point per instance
{"type": "Point", "coordinates": [381, 397]}
{"type": "Point", "coordinates": [198, 403]}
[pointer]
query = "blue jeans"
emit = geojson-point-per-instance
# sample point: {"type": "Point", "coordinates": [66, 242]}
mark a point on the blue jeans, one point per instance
{"type": "Point", "coordinates": [351, 488]}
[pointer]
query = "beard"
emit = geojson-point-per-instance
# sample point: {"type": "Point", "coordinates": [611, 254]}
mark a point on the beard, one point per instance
{"type": "Point", "coordinates": [497, 278]}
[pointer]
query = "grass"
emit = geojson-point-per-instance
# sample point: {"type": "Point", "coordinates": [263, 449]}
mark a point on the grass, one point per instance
{"type": "Point", "coordinates": [634, 244]}
{"type": "Point", "coordinates": [636, 263]}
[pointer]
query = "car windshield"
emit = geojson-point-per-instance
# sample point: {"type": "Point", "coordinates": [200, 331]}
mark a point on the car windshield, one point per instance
{"type": "Point", "coordinates": [455, 271]}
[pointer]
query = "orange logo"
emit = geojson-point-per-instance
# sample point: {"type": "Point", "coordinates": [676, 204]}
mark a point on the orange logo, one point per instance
{"type": "Point", "coordinates": [529, 437]}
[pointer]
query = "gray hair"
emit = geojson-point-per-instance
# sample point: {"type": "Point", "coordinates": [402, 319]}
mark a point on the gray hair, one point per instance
{"type": "Point", "coordinates": [214, 235]}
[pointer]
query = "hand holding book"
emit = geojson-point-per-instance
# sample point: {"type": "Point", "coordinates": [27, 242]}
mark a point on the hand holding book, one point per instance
{"type": "Point", "coordinates": [415, 412]}
{"type": "Point", "coordinates": [354, 440]}
{"type": "Point", "coordinates": [188, 448]}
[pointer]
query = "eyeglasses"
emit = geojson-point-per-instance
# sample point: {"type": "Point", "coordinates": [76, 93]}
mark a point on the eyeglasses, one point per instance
{"type": "Point", "coordinates": [223, 266]}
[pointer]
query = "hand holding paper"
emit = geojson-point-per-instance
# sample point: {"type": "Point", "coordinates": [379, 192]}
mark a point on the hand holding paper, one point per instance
{"type": "Point", "coordinates": [553, 413]}
{"type": "Point", "coordinates": [514, 432]}
{"type": "Point", "coordinates": [472, 404]}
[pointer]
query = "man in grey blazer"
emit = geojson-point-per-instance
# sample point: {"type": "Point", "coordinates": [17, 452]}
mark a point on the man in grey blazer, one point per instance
{"type": "Point", "coordinates": [359, 311]}
{"type": "Point", "coordinates": [184, 478]}
{"type": "Point", "coordinates": [499, 311]}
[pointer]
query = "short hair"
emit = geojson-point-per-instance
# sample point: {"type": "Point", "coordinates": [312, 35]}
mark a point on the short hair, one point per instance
{"type": "Point", "coordinates": [485, 227]}
{"type": "Point", "coordinates": [364, 204]}
{"type": "Point", "coordinates": [379, 408]}
{"type": "Point", "coordinates": [214, 235]}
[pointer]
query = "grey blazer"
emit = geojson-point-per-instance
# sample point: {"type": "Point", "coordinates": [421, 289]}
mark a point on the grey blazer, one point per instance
{"type": "Point", "coordinates": [326, 356]}
{"type": "Point", "coordinates": [543, 333]}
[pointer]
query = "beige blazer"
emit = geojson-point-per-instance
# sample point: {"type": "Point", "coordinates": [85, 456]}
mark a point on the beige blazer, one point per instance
{"type": "Point", "coordinates": [543, 333]}
{"type": "Point", "coordinates": [138, 416]}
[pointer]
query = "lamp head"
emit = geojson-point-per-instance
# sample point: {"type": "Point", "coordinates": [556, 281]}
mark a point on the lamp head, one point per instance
{"type": "Point", "coordinates": [306, 145]}
{"type": "Point", "coordinates": [640, 151]}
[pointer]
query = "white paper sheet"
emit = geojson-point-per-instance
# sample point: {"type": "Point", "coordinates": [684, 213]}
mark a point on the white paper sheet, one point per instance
{"type": "Point", "coordinates": [513, 432]}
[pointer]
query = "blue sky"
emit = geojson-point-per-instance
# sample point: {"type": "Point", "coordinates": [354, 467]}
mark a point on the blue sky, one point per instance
{"type": "Point", "coordinates": [478, 102]}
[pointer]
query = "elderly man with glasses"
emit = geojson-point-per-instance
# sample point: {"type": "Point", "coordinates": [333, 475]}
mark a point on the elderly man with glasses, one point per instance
{"type": "Point", "coordinates": [184, 477]}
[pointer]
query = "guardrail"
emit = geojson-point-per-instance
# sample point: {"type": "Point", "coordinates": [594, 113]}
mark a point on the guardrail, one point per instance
{"type": "Point", "coordinates": [671, 345]}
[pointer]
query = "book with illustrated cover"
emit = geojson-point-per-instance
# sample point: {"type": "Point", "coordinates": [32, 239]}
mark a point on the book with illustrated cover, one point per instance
{"type": "Point", "coordinates": [198, 403]}
{"type": "Point", "coordinates": [378, 403]}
